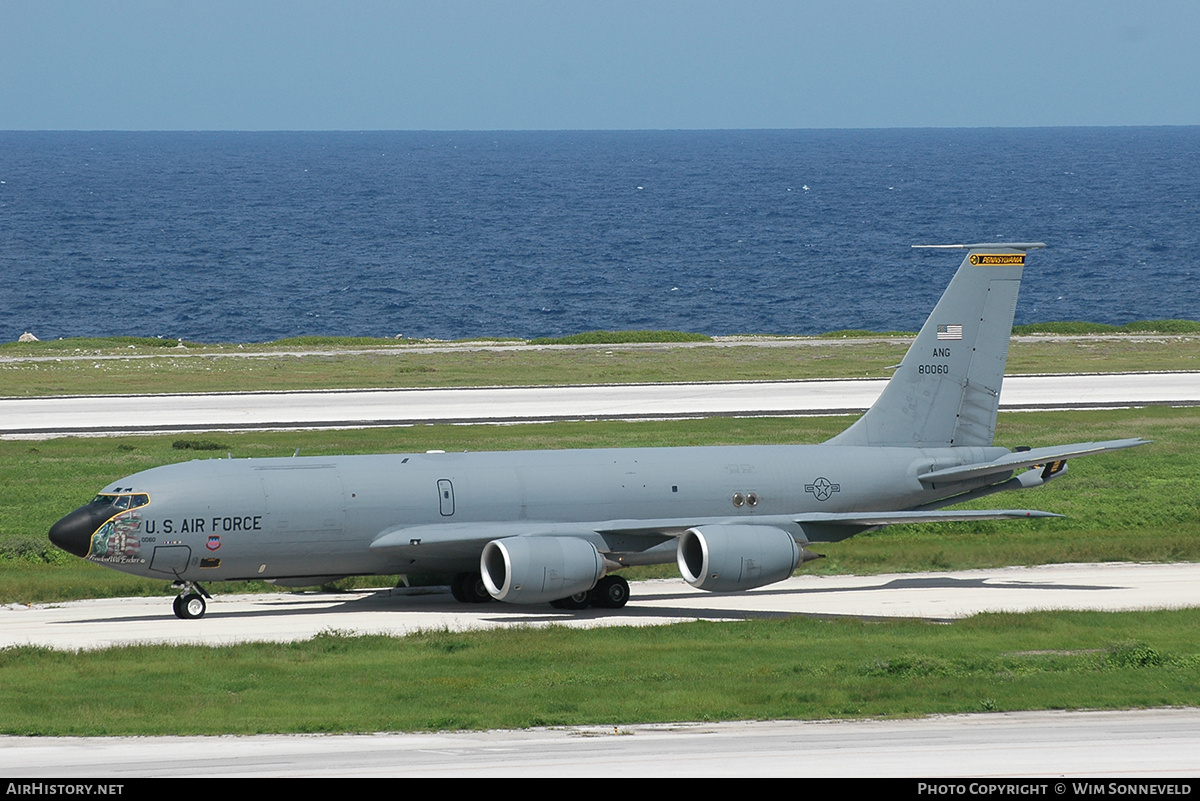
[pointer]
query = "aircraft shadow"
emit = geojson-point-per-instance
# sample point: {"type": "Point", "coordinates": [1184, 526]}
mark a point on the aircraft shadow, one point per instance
{"type": "Point", "coordinates": [438, 601]}
{"type": "Point", "coordinates": [441, 603]}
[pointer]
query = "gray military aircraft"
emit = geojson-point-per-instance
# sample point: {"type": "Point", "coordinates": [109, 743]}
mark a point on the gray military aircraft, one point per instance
{"type": "Point", "coordinates": [552, 526]}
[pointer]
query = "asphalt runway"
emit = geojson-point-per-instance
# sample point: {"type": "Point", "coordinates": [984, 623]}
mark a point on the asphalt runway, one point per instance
{"type": "Point", "coordinates": [117, 414]}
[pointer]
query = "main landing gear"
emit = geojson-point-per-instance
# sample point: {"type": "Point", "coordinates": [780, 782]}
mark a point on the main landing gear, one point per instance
{"type": "Point", "coordinates": [189, 604]}
{"type": "Point", "coordinates": [469, 588]}
{"type": "Point", "coordinates": [610, 592]}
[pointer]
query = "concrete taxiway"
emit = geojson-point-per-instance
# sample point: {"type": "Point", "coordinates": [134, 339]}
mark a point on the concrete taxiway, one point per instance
{"type": "Point", "coordinates": [293, 616]}
{"type": "Point", "coordinates": [116, 414]}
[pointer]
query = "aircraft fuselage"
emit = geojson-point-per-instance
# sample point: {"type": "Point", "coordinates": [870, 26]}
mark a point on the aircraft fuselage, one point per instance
{"type": "Point", "coordinates": [234, 519]}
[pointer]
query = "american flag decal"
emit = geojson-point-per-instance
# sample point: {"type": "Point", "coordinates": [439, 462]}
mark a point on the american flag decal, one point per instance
{"type": "Point", "coordinates": [949, 331]}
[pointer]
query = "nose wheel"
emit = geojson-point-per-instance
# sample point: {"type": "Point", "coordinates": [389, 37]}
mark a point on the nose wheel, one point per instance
{"type": "Point", "coordinates": [190, 604]}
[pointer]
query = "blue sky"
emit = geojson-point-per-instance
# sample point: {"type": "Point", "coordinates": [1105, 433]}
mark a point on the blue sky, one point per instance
{"type": "Point", "coordinates": [609, 64]}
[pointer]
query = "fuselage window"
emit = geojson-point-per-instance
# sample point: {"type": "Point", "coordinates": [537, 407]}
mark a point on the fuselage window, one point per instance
{"type": "Point", "coordinates": [122, 502]}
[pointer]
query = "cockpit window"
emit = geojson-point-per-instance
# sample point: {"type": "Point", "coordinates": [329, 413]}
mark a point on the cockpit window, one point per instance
{"type": "Point", "coordinates": [122, 502]}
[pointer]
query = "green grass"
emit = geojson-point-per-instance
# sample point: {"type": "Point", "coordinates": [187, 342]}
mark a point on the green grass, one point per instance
{"type": "Point", "coordinates": [106, 344]}
{"type": "Point", "coordinates": [857, 333]}
{"type": "Point", "coordinates": [115, 343]}
{"type": "Point", "coordinates": [797, 668]}
{"type": "Point", "coordinates": [1076, 327]}
{"type": "Point", "coordinates": [621, 337]}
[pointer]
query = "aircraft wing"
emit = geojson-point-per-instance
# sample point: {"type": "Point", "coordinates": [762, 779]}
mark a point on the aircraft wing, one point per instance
{"type": "Point", "coordinates": [652, 541]}
{"type": "Point", "coordinates": [1020, 459]}
{"type": "Point", "coordinates": [457, 539]}
{"type": "Point", "coordinates": [450, 536]}
{"type": "Point", "coordinates": [917, 516]}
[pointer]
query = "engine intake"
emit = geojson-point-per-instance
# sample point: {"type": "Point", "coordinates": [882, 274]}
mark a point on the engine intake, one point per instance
{"type": "Point", "coordinates": [531, 570]}
{"type": "Point", "coordinates": [739, 557]}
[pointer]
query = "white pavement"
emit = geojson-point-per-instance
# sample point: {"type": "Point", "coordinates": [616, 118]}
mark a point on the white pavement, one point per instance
{"type": "Point", "coordinates": [57, 416]}
{"type": "Point", "coordinates": [1002, 748]}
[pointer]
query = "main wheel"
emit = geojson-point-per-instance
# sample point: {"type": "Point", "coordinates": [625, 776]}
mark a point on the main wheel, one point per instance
{"type": "Point", "coordinates": [469, 588]}
{"type": "Point", "coordinates": [611, 592]}
{"type": "Point", "coordinates": [580, 600]}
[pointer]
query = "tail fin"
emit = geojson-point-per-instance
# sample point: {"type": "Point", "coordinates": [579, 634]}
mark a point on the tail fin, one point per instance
{"type": "Point", "coordinates": [947, 390]}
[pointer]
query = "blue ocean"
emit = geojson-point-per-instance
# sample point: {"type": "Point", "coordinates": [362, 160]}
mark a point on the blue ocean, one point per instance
{"type": "Point", "coordinates": [246, 237]}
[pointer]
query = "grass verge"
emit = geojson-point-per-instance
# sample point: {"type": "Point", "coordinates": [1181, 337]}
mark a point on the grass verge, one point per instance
{"type": "Point", "coordinates": [798, 668]}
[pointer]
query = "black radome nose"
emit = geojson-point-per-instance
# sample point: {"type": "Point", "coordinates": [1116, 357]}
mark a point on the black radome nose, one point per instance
{"type": "Point", "coordinates": [74, 532]}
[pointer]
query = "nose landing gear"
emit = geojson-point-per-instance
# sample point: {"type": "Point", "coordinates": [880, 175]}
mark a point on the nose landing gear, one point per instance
{"type": "Point", "coordinates": [189, 604]}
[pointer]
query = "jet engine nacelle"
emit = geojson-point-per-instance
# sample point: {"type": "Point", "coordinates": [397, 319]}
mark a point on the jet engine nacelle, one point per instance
{"type": "Point", "coordinates": [726, 558]}
{"type": "Point", "coordinates": [531, 570]}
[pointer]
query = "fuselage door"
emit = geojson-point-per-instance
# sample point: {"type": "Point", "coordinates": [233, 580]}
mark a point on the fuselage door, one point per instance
{"type": "Point", "coordinates": [446, 496]}
{"type": "Point", "coordinates": [172, 559]}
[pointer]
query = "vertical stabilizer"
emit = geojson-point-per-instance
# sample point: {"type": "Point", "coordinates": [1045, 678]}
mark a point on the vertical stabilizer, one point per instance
{"type": "Point", "coordinates": [947, 390]}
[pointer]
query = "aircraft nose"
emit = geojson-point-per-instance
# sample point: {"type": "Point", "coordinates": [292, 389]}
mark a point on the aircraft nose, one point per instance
{"type": "Point", "coordinates": [74, 532]}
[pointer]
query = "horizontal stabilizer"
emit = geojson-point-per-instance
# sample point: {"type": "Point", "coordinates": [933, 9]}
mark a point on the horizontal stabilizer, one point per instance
{"type": "Point", "coordinates": [896, 518]}
{"type": "Point", "coordinates": [1020, 459]}
{"type": "Point", "coordinates": [988, 246]}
